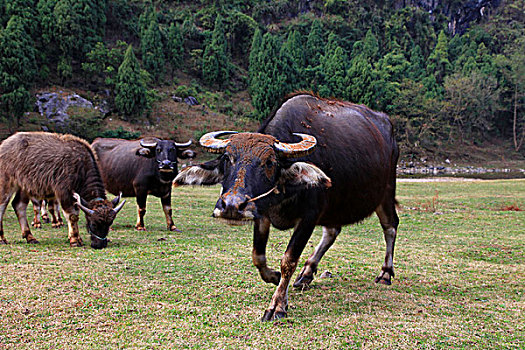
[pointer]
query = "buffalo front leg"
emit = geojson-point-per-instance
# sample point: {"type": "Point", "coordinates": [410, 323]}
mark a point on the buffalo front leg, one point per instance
{"type": "Point", "coordinates": [389, 222]}
{"type": "Point", "coordinates": [72, 218]}
{"type": "Point", "coordinates": [19, 204]}
{"type": "Point", "coordinates": [261, 231]}
{"type": "Point", "coordinates": [37, 209]}
{"type": "Point", "coordinates": [306, 276]}
{"type": "Point", "coordinates": [279, 304]}
{"type": "Point", "coordinates": [166, 207]}
{"type": "Point", "coordinates": [141, 211]}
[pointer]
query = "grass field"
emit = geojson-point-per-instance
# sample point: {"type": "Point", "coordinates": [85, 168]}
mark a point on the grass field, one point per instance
{"type": "Point", "coordinates": [460, 280]}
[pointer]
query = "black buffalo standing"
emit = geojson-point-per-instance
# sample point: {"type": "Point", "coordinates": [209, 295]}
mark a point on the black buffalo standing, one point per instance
{"type": "Point", "coordinates": [283, 176]}
{"type": "Point", "coordinates": [141, 167]}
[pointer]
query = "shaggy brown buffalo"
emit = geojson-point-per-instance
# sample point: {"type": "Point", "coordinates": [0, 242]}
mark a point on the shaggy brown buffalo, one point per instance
{"type": "Point", "coordinates": [314, 162]}
{"type": "Point", "coordinates": [44, 166]}
{"type": "Point", "coordinates": [142, 167]}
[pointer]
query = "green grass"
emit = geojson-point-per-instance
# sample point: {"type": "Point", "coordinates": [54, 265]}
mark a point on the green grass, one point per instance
{"type": "Point", "coordinates": [459, 260]}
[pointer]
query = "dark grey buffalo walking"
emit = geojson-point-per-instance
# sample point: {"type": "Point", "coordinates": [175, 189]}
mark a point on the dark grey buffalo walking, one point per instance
{"type": "Point", "coordinates": [141, 167]}
{"type": "Point", "coordinates": [313, 162]}
{"type": "Point", "coordinates": [62, 167]}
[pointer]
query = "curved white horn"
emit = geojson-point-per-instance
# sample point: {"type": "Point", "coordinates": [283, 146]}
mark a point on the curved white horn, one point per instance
{"type": "Point", "coordinates": [212, 143]}
{"type": "Point", "coordinates": [79, 203]}
{"type": "Point", "coordinates": [296, 150]}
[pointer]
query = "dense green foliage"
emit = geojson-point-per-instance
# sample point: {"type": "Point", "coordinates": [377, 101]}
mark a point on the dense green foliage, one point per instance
{"type": "Point", "coordinates": [130, 90]}
{"type": "Point", "coordinates": [438, 83]}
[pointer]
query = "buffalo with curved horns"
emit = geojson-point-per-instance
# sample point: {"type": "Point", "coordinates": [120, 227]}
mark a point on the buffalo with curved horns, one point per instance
{"type": "Point", "coordinates": [51, 166]}
{"type": "Point", "coordinates": [313, 162]}
{"type": "Point", "coordinates": [141, 167]}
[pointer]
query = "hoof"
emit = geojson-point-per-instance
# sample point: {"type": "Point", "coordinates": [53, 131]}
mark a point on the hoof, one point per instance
{"type": "Point", "coordinates": [385, 277]}
{"type": "Point", "coordinates": [140, 228]}
{"type": "Point", "coordinates": [174, 229]}
{"type": "Point", "coordinates": [384, 281]}
{"type": "Point", "coordinates": [4, 241]}
{"type": "Point", "coordinates": [75, 244]}
{"type": "Point", "coordinates": [36, 225]}
{"type": "Point", "coordinates": [303, 282]}
{"type": "Point", "coordinates": [33, 241]}
{"type": "Point", "coordinates": [272, 315]}
{"type": "Point", "coordinates": [271, 276]}
{"type": "Point", "coordinates": [57, 225]}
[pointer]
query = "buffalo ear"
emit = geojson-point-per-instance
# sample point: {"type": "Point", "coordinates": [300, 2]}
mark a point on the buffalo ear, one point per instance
{"type": "Point", "coordinates": [203, 174]}
{"type": "Point", "coordinates": [186, 154]}
{"type": "Point", "coordinates": [145, 152]}
{"type": "Point", "coordinates": [306, 174]}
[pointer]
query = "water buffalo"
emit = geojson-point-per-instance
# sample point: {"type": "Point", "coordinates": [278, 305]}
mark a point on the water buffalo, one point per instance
{"type": "Point", "coordinates": [42, 208]}
{"type": "Point", "coordinates": [50, 166]}
{"type": "Point", "coordinates": [142, 167]}
{"type": "Point", "coordinates": [313, 162]}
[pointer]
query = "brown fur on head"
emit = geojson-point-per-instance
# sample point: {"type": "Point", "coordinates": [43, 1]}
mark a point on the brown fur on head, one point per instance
{"type": "Point", "coordinates": [103, 211]}
{"type": "Point", "coordinates": [257, 146]}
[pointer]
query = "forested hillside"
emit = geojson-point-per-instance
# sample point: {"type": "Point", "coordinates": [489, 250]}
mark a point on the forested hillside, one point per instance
{"type": "Point", "coordinates": [448, 72]}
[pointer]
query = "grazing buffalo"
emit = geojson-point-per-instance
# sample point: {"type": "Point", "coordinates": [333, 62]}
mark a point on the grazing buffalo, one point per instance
{"type": "Point", "coordinates": [142, 167]}
{"type": "Point", "coordinates": [313, 162]}
{"type": "Point", "coordinates": [41, 208]}
{"type": "Point", "coordinates": [45, 166]}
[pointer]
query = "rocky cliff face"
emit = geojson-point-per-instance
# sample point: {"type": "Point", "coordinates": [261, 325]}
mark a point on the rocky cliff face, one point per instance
{"type": "Point", "coordinates": [460, 13]}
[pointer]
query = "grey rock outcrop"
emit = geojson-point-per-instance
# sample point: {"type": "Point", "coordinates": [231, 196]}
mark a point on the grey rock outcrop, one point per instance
{"type": "Point", "coordinates": [54, 105]}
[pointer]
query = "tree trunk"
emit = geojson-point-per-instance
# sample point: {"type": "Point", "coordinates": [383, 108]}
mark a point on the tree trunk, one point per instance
{"type": "Point", "coordinates": [517, 144]}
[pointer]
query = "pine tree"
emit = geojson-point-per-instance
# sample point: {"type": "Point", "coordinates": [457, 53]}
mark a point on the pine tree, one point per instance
{"type": "Point", "coordinates": [130, 91]}
{"type": "Point", "coordinates": [361, 77]}
{"type": "Point", "coordinates": [315, 44]}
{"type": "Point", "coordinates": [439, 64]}
{"type": "Point", "coordinates": [17, 69]}
{"type": "Point", "coordinates": [24, 9]}
{"type": "Point", "coordinates": [4, 17]}
{"type": "Point", "coordinates": [390, 71]}
{"type": "Point", "coordinates": [286, 72]}
{"type": "Point", "coordinates": [295, 47]}
{"type": "Point", "coordinates": [175, 46]}
{"type": "Point", "coordinates": [152, 49]}
{"type": "Point", "coordinates": [333, 67]}
{"type": "Point", "coordinates": [416, 69]}
{"type": "Point", "coordinates": [370, 46]}
{"type": "Point", "coordinates": [216, 61]}
{"type": "Point", "coordinates": [254, 63]}
{"type": "Point", "coordinates": [266, 90]}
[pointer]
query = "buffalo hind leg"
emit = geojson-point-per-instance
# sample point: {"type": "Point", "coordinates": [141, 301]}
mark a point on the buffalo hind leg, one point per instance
{"type": "Point", "coordinates": [261, 230]}
{"type": "Point", "coordinates": [19, 204]}
{"type": "Point", "coordinates": [54, 210]}
{"type": "Point", "coordinates": [5, 196]}
{"type": "Point", "coordinates": [279, 304]}
{"type": "Point", "coordinates": [166, 207]}
{"type": "Point", "coordinates": [389, 220]}
{"type": "Point", "coordinates": [37, 209]}
{"type": "Point", "coordinates": [45, 213]}
{"type": "Point", "coordinates": [306, 276]}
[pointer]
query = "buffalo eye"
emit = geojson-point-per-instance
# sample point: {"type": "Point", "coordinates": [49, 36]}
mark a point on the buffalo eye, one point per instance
{"type": "Point", "coordinates": [229, 158]}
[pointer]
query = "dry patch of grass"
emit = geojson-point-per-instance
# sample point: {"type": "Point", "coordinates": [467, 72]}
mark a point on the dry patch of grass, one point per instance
{"type": "Point", "coordinates": [459, 280]}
